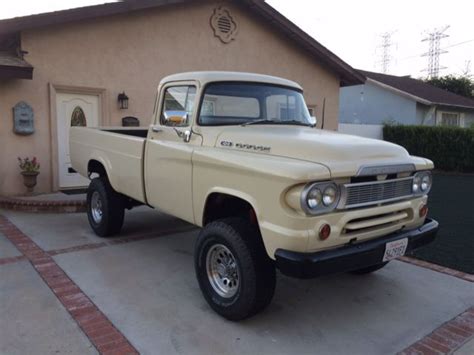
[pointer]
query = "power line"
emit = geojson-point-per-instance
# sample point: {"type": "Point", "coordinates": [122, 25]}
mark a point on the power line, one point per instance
{"type": "Point", "coordinates": [450, 46]}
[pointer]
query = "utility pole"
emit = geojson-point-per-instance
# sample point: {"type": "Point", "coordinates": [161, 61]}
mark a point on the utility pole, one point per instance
{"type": "Point", "coordinates": [386, 56]}
{"type": "Point", "coordinates": [434, 50]}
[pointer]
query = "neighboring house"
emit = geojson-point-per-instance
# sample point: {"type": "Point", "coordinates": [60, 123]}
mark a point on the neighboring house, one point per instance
{"type": "Point", "coordinates": [363, 109]}
{"type": "Point", "coordinates": [70, 66]}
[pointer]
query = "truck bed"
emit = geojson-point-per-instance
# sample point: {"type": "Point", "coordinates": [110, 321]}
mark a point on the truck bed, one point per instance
{"type": "Point", "coordinates": [119, 150]}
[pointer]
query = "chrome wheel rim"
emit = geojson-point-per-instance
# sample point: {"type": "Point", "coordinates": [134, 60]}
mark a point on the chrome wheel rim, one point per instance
{"type": "Point", "coordinates": [96, 207]}
{"type": "Point", "coordinates": [222, 271]}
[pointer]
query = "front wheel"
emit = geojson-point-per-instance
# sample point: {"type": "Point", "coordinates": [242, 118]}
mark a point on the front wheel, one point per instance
{"type": "Point", "coordinates": [235, 275]}
{"type": "Point", "coordinates": [105, 208]}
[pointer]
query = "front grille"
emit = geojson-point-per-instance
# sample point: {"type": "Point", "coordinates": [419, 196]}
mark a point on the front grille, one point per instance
{"type": "Point", "coordinates": [368, 193]}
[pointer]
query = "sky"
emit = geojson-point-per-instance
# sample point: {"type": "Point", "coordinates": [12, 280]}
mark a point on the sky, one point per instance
{"type": "Point", "coordinates": [352, 29]}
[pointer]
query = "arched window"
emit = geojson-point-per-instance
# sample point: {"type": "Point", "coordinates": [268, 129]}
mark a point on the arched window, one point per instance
{"type": "Point", "coordinates": [78, 119]}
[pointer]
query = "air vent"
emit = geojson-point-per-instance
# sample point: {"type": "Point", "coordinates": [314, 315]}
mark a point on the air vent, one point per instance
{"type": "Point", "coordinates": [224, 25]}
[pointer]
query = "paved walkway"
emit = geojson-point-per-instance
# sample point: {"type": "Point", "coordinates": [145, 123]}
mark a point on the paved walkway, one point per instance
{"type": "Point", "coordinates": [63, 290]}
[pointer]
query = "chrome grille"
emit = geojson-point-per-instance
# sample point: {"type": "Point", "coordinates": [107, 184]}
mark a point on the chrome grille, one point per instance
{"type": "Point", "coordinates": [368, 193]}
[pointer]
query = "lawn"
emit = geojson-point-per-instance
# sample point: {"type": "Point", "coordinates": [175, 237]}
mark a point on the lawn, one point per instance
{"type": "Point", "coordinates": [451, 203]}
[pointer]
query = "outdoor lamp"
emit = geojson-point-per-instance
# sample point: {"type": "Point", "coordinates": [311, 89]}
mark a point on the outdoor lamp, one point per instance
{"type": "Point", "coordinates": [123, 101]}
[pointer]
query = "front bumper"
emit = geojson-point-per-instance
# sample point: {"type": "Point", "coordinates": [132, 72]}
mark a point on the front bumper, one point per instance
{"type": "Point", "coordinates": [350, 256]}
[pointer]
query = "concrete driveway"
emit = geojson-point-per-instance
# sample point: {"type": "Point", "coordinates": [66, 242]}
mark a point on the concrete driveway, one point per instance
{"type": "Point", "coordinates": [144, 284]}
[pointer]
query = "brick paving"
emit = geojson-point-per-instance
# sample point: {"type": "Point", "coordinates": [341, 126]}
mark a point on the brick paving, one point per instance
{"type": "Point", "coordinates": [101, 332]}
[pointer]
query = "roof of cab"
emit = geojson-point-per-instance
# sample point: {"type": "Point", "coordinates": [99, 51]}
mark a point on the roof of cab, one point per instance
{"type": "Point", "coordinates": [205, 77]}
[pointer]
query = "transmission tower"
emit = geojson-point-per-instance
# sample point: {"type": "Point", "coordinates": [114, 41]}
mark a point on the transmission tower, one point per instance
{"type": "Point", "coordinates": [386, 56]}
{"type": "Point", "coordinates": [434, 50]}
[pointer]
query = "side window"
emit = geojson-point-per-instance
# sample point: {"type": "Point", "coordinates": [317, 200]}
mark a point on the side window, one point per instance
{"type": "Point", "coordinates": [178, 106]}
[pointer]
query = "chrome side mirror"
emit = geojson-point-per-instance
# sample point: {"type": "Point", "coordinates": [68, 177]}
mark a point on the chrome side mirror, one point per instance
{"type": "Point", "coordinates": [175, 118]}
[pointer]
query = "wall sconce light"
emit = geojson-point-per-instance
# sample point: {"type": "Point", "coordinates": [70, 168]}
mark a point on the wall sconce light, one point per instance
{"type": "Point", "coordinates": [123, 101]}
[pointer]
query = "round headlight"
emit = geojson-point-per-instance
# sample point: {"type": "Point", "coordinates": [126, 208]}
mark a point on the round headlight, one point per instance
{"type": "Point", "coordinates": [314, 198]}
{"type": "Point", "coordinates": [329, 195]}
{"type": "Point", "coordinates": [425, 182]}
{"type": "Point", "coordinates": [416, 184]}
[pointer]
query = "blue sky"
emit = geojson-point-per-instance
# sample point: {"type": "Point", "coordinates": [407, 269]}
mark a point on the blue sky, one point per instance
{"type": "Point", "coordinates": [352, 29]}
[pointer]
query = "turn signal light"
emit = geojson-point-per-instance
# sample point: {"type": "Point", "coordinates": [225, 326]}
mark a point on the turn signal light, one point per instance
{"type": "Point", "coordinates": [324, 231]}
{"type": "Point", "coordinates": [423, 211]}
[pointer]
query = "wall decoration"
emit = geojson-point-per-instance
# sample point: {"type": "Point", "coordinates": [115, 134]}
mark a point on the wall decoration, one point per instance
{"type": "Point", "coordinates": [224, 25]}
{"type": "Point", "coordinates": [78, 118]}
{"type": "Point", "coordinates": [23, 119]}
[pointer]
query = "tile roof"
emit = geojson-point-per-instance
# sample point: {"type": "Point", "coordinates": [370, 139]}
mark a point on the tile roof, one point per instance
{"type": "Point", "coordinates": [421, 90]}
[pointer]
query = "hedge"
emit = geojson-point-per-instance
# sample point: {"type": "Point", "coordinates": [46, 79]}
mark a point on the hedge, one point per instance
{"type": "Point", "coordinates": [450, 148]}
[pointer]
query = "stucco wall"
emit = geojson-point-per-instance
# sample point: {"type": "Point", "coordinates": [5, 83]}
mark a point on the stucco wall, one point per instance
{"type": "Point", "coordinates": [132, 53]}
{"type": "Point", "coordinates": [370, 104]}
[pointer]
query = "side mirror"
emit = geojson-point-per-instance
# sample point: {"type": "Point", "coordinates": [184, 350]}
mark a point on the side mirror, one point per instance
{"type": "Point", "coordinates": [175, 118]}
{"type": "Point", "coordinates": [314, 120]}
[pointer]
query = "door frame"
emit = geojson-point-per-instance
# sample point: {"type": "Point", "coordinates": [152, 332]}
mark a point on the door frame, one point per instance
{"type": "Point", "coordinates": [55, 89]}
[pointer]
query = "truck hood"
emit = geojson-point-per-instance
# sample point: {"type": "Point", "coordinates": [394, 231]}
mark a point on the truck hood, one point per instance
{"type": "Point", "coordinates": [342, 154]}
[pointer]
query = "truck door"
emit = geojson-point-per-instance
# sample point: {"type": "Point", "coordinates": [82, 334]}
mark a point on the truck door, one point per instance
{"type": "Point", "coordinates": [168, 152]}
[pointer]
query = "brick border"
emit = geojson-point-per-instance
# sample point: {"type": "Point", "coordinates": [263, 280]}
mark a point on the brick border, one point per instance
{"type": "Point", "coordinates": [39, 206]}
{"type": "Point", "coordinates": [444, 270]}
{"type": "Point", "coordinates": [12, 259]}
{"type": "Point", "coordinates": [98, 328]}
{"type": "Point", "coordinates": [447, 338]}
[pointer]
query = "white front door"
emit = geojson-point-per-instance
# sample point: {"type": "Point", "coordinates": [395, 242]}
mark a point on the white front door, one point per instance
{"type": "Point", "coordinates": [73, 110]}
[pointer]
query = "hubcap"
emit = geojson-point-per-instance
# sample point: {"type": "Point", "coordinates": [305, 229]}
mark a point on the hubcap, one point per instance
{"type": "Point", "coordinates": [222, 271]}
{"type": "Point", "coordinates": [96, 207]}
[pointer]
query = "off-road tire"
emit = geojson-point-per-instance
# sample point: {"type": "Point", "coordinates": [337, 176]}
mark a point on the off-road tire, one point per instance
{"type": "Point", "coordinates": [112, 204]}
{"type": "Point", "coordinates": [369, 269]}
{"type": "Point", "coordinates": [257, 271]}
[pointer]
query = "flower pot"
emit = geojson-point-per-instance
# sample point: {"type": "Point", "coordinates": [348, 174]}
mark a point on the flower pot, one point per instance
{"type": "Point", "coordinates": [29, 179]}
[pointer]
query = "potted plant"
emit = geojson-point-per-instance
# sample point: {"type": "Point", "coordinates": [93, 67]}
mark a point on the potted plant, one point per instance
{"type": "Point", "coordinates": [29, 170]}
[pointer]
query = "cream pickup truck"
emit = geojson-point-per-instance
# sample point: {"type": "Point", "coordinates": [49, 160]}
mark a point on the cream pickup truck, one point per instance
{"type": "Point", "coordinates": [240, 156]}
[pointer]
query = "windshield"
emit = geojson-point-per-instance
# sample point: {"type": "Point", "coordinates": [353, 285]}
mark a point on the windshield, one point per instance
{"type": "Point", "coordinates": [250, 103]}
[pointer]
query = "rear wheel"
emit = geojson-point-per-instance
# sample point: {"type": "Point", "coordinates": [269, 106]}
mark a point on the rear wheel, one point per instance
{"type": "Point", "coordinates": [369, 269]}
{"type": "Point", "coordinates": [105, 208]}
{"type": "Point", "coordinates": [235, 275]}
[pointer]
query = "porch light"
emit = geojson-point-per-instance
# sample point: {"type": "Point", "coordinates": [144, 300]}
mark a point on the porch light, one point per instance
{"type": "Point", "coordinates": [123, 101]}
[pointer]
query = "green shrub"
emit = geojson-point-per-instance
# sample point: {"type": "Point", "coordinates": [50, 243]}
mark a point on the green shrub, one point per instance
{"type": "Point", "coordinates": [450, 148]}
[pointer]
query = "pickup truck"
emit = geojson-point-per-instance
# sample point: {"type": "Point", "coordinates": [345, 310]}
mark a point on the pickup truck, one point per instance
{"type": "Point", "coordinates": [239, 155]}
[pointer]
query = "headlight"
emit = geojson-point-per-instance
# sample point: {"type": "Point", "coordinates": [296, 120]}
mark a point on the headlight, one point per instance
{"type": "Point", "coordinates": [314, 198]}
{"type": "Point", "coordinates": [425, 183]}
{"type": "Point", "coordinates": [422, 182]}
{"type": "Point", "coordinates": [320, 198]}
{"type": "Point", "coordinates": [329, 195]}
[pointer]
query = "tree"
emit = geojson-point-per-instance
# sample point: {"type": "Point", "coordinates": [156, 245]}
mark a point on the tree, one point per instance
{"type": "Point", "coordinates": [461, 85]}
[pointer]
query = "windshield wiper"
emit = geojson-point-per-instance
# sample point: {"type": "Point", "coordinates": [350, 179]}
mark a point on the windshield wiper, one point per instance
{"type": "Point", "coordinates": [289, 122]}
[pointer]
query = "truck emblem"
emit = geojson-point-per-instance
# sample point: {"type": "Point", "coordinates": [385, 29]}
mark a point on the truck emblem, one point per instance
{"type": "Point", "coordinates": [259, 148]}
{"type": "Point", "coordinates": [226, 144]}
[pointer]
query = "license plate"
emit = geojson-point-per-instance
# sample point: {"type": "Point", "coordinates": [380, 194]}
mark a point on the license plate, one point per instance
{"type": "Point", "coordinates": [395, 249]}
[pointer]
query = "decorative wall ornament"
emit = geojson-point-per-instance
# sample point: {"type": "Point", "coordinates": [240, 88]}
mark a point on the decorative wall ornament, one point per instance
{"type": "Point", "coordinates": [224, 26]}
{"type": "Point", "coordinates": [78, 118]}
{"type": "Point", "coordinates": [23, 119]}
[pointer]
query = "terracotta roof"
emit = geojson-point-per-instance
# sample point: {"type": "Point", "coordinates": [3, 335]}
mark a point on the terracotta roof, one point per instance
{"type": "Point", "coordinates": [347, 74]}
{"type": "Point", "coordinates": [428, 94]}
{"type": "Point", "coordinates": [12, 66]}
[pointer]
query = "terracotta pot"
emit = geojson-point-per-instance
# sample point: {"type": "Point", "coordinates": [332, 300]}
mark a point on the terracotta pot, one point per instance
{"type": "Point", "coordinates": [29, 179]}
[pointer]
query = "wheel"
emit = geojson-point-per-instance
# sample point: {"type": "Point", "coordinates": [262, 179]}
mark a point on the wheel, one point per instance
{"type": "Point", "coordinates": [235, 275]}
{"type": "Point", "coordinates": [105, 208]}
{"type": "Point", "coordinates": [369, 269]}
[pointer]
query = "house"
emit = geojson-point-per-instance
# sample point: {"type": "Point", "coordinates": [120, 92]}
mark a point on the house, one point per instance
{"type": "Point", "coordinates": [363, 109]}
{"type": "Point", "coordinates": [80, 66]}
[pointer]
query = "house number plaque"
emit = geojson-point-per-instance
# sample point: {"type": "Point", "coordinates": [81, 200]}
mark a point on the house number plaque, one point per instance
{"type": "Point", "coordinates": [23, 119]}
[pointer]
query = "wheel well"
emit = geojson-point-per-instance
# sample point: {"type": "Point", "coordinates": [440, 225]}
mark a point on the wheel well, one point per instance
{"type": "Point", "coordinates": [96, 167]}
{"type": "Point", "coordinates": [219, 205]}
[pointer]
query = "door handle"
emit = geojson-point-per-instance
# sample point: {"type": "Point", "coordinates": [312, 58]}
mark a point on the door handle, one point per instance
{"type": "Point", "coordinates": [156, 129]}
